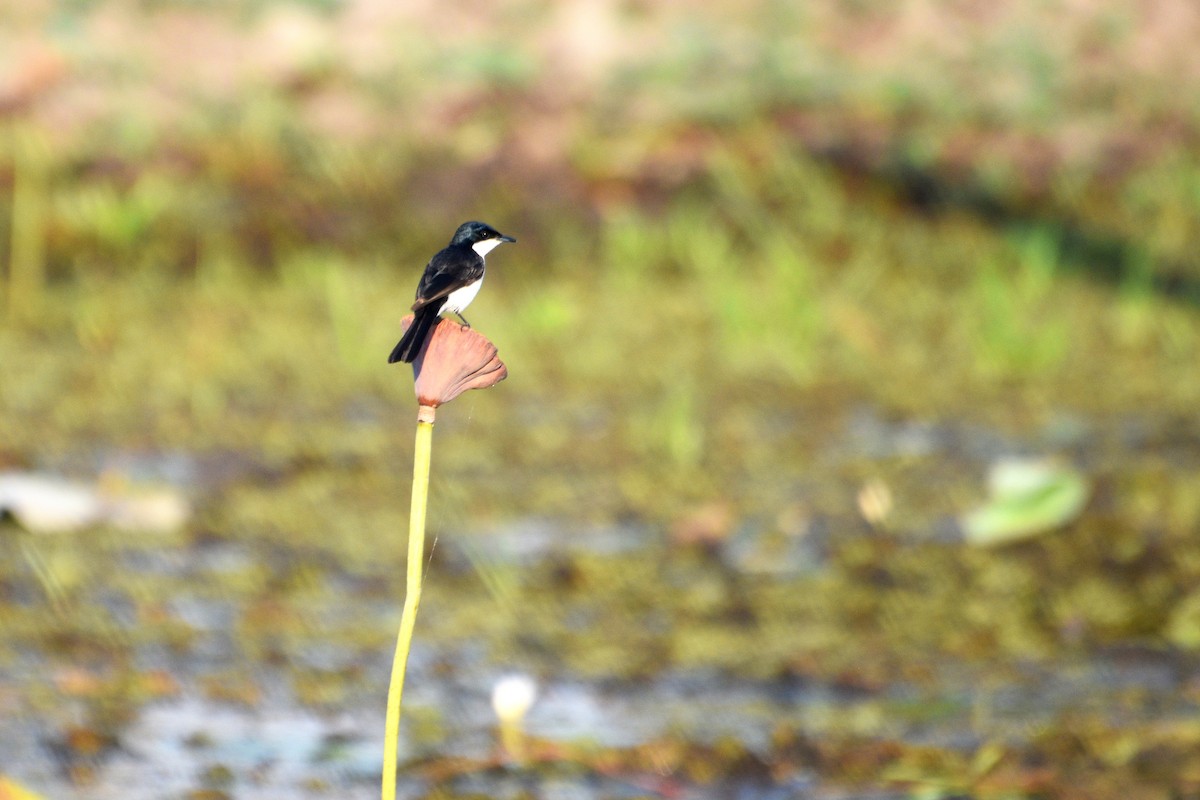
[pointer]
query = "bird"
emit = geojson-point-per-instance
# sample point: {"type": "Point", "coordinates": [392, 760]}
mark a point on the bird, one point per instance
{"type": "Point", "coordinates": [450, 282]}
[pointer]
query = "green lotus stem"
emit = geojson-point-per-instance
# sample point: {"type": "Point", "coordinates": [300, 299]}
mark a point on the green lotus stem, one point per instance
{"type": "Point", "coordinates": [453, 360]}
{"type": "Point", "coordinates": [412, 596]}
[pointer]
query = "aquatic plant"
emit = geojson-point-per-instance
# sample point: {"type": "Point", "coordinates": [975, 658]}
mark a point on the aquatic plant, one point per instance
{"type": "Point", "coordinates": [512, 697]}
{"type": "Point", "coordinates": [453, 360]}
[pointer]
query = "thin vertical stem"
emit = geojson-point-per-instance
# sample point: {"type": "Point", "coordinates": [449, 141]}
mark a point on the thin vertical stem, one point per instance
{"type": "Point", "coordinates": [27, 248]}
{"type": "Point", "coordinates": [412, 598]}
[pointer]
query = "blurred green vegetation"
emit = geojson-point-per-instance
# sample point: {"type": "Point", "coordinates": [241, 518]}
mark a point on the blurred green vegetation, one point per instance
{"type": "Point", "coordinates": [216, 216]}
{"type": "Point", "coordinates": [792, 195]}
{"type": "Point", "coordinates": [737, 227]}
{"type": "Point", "coordinates": [734, 226]}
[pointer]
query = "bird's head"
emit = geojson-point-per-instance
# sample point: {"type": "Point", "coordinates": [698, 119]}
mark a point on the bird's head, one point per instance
{"type": "Point", "coordinates": [480, 236]}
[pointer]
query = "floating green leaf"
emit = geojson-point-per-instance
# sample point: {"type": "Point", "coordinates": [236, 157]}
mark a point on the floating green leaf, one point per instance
{"type": "Point", "coordinates": [1028, 497]}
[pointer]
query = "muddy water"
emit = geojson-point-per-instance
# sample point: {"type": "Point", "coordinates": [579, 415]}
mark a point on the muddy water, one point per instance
{"type": "Point", "coordinates": [208, 665]}
{"type": "Point", "coordinates": [271, 744]}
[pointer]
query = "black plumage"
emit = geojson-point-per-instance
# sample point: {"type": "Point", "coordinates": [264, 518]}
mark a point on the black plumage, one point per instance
{"type": "Point", "coordinates": [449, 284]}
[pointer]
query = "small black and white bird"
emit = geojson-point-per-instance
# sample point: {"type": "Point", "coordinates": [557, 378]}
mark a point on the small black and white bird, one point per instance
{"type": "Point", "coordinates": [452, 279]}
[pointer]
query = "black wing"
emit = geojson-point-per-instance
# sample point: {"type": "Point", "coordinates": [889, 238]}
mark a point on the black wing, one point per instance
{"type": "Point", "coordinates": [452, 268]}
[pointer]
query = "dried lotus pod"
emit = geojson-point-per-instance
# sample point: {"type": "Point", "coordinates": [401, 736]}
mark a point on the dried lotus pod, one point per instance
{"type": "Point", "coordinates": [453, 359]}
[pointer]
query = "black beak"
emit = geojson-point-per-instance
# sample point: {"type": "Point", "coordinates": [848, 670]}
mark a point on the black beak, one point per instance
{"type": "Point", "coordinates": [507, 239]}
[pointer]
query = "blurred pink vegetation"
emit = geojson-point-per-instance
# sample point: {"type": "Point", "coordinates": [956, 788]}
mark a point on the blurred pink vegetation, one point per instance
{"type": "Point", "coordinates": [379, 70]}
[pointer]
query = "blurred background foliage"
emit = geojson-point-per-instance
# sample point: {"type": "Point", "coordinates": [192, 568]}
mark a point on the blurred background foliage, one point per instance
{"type": "Point", "coordinates": [927, 200]}
{"type": "Point", "coordinates": [770, 253]}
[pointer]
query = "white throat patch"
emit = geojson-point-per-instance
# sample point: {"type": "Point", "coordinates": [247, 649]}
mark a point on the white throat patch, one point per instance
{"type": "Point", "coordinates": [486, 246]}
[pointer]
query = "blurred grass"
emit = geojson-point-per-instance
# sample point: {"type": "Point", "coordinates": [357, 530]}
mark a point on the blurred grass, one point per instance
{"type": "Point", "coordinates": [735, 224]}
{"type": "Point", "coordinates": [739, 227]}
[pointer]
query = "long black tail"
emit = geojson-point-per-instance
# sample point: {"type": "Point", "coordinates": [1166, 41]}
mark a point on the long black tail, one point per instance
{"type": "Point", "coordinates": [409, 346]}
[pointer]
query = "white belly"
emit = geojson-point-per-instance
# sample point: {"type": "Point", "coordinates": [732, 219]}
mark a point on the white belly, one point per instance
{"type": "Point", "coordinates": [459, 299]}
